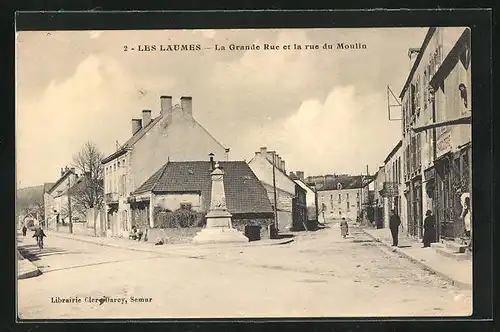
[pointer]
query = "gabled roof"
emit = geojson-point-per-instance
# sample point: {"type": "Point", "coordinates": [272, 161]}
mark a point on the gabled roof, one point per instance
{"type": "Point", "coordinates": [348, 182]}
{"type": "Point", "coordinates": [276, 167]}
{"type": "Point", "coordinates": [61, 179]}
{"type": "Point", "coordinates": [303, 185]}
{"type": "Point", "coordinates": [47, 186]}
{"type": "Point", "coordinates": [132, 140]}
{"type": "Point", "coordinates": [244, 192]}
{"type": "Point", "coordinates": [140, 133]}
{"type": "Point", "coordinates": [426, 41]}
{"type": "Point", "coordinates": [393, 151]}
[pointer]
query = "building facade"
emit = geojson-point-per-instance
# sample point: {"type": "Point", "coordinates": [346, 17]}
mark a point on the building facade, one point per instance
{"type": "Point", "coordinates": [56, 201]}
{"type": "Point", "coordinates": [452, 92]}
{"type": "Point", "coordinates": [343, 198]}
{"type": "Point", "coordinates": [434, 92]}
{"type": "Point", "coordinates": [174, 135]}
{"type": "Point", "coordinates": [277, 183]}
{"type": "Point", "coordinates": [391, 192]}
{"type": "Point", "coordinates": [310, 192]}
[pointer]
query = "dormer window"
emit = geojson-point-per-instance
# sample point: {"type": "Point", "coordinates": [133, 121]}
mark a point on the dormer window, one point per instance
{"type": "Point", "coordinates": [339, 186]}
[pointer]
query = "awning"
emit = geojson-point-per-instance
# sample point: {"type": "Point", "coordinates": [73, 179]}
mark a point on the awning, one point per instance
{"type": "Point", "coordinates": [457, 121]}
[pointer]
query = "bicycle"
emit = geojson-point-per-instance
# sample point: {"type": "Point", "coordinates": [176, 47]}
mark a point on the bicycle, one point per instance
{"type": "Point", "coordinates": [40, 242]}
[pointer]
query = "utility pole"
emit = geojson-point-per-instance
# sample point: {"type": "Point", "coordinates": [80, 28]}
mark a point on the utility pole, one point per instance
{"type": "Point", "coordinates": [275, 194]}
{"type": "Point", "coordinates": [69, 206]}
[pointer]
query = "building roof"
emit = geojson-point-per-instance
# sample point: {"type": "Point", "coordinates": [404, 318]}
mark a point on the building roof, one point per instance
{"type": "Point", "coordinates": [451, 59]}
{"type": "Point", "coordinates": [303, 185]}
{"type": "Point", "coordinates": [393, 151]}
{"type": "Point", "coordinates": [61, 179]}
{"type": "Point", "coordinates": [270, 161]}
{"type": "Point", "coordinates": [244, 192]}
{"type": "Point", "coordinates": [426, 41]}
{"type": "Point", "coordinates": [47, 186]}
{"type": "Point", "coordinates": [348, 182]}
{"type": "Point", "coordinates": [140, 133]}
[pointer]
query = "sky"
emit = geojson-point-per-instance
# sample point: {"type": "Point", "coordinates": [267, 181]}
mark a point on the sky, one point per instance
{"type": "Point", "coordinates": [323, 111]}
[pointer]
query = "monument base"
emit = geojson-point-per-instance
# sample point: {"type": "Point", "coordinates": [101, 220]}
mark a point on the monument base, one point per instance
{"type": "Point", "coordinates": [219, 235]}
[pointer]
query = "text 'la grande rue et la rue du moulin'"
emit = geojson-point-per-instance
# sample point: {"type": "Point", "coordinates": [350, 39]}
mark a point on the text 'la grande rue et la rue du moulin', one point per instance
{"type": "Point", "coordinates": [248, 47]}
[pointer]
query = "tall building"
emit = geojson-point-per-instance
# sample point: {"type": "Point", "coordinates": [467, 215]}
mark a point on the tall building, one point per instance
{"type": "Point", "coordinates": [436, 132]}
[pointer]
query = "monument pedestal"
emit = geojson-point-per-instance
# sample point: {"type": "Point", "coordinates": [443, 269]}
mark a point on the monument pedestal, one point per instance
{"type": "Point", "coordinates": [219, 230]}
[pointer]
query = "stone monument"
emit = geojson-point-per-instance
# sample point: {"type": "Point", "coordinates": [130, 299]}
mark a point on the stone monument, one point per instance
{"type": "Point", "coordinates": [219, 227]}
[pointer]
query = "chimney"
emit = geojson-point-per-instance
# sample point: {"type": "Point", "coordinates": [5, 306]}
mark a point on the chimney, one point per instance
{"type": "Point", "coordinates": [72, 169]}
{"type": "Point", "coordinates": [136, 125]}
{"type": "Point", "coordinates": [263, 151]}
{"type": "Point", "coordinates": [62, 171]}
{"type": "Point", "coordinates": [300, 174]}
{"type": "Point", "coordinates": [283, 166]}
{"type": "Point", "coordinates": [166, 104]}
{"type": "Point", "coordinates": [212, 164]}
{"type": "Point", "coordinates": [146, 117]}
{"type": "Point", "coordinates": [187, 105]}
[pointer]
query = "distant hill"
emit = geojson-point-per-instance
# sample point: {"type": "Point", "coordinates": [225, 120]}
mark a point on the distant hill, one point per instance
{"type": "Point", "coordinates": [30, 193]}
{"type": "Point", "coordinates": [29, 197]}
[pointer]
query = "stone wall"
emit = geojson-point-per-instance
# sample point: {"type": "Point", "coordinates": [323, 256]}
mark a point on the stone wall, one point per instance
{"type": "Point", "coordinates": [173, 235]}
{"type": "Point", "coordinates": [80, 228]}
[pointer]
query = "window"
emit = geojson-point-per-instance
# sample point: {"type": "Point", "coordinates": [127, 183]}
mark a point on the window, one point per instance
{"type": "Point", "coordinates": [357, 195]}
{"type": "Point", "coordinates": [331, 197]}
{"type": "Point", "coordinates": [348, 206]}
{"type": "Point", "coordinates": [123, 184]}
{"type": "Point", "coordinates": [340, 198]}
{"type": "Point", "coordinates": [347, 196]}
{"type": "Point", "coordinates": [186, 206]}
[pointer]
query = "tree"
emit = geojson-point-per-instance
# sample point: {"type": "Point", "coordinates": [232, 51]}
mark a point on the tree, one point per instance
{"type": "Point", "coordinates": [88, 193]}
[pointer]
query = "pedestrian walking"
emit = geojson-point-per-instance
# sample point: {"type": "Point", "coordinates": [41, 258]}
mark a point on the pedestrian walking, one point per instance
{"type": "Point", "coordinates": [24, 229]}
{"type": "Point", "coordinates": [344, 228]}
{"type": "Point", "coordinates": [429, 229]}
{"type": "Point", "coordinates": [394, 222]}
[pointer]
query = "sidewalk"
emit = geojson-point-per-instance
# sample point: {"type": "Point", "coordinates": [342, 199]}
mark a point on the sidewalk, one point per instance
{"type": "Point", "coordinates": [25, 269]}
{"type": "Point", "coordinates": [128, 244]}
{"type": "Point", "coordinates": [455, 271]}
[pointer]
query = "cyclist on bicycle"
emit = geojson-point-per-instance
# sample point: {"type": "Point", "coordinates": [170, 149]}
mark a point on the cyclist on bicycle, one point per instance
{"type": "Point", "coordinates": [39, 235]}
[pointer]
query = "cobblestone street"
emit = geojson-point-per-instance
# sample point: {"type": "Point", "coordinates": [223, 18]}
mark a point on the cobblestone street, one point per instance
{"type": "Point", "coordinates": [318, 275]}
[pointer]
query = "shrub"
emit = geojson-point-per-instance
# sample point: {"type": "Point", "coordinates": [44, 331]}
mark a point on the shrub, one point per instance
{"type": "Point", "coordinates": [181, 218]}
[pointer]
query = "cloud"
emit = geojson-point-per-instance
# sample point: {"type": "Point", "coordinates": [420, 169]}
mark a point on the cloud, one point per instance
{"type": "Point", "coordinates": [96, 104]}
{"type": "Point", "coordinates": [343, 134]}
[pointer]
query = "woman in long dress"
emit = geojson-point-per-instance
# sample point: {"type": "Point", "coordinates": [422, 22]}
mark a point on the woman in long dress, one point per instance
{"type": "Point", "coordinates": [344, 228]}
{"type": "Point", "coordinates": [429, 229]}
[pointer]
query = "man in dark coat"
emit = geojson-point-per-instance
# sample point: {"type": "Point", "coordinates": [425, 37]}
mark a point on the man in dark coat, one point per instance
{"type": "Point", "coordinates": [394, 222]}
{"type": "Point", "coordinates": [429, 229]}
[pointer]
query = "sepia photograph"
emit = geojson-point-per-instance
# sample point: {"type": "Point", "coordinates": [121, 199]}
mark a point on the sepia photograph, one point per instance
{"type": "Point", "coordinates": [244, 173]}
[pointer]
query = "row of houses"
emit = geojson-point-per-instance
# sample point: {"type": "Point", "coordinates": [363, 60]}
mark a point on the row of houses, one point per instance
{"type": "Point", "coordinates": [166, 165]}
{"type": "Point", "coordinates": [430, 167]}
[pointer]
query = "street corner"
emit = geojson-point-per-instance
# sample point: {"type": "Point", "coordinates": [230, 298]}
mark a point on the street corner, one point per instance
{"type": "Point", "coordinates": [25, 268]}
